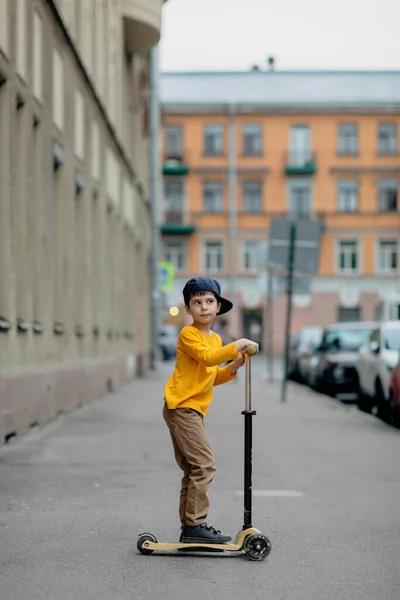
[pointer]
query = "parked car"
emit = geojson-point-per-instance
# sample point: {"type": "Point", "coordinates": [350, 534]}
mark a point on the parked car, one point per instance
{"type": "Point", "coordinates": [167, 341]}
{"type": "Point", "coordinates": [395, 395]}
{"type": "Point", "coordinates": [377, 359]}
{"type": "Point", "coordinates": [332, 365]}
{"type": "Point", "coordinates": [302, 346]}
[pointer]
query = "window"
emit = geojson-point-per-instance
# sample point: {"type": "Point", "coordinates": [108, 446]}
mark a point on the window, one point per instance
{"type": "Point", "coordinates": [174, 252]}
{"type": "Point", "coordinates": [173, 141]}
{"type": "Point", "coordinates": [394, 311]}
{"type": "Point", "coordinates": [387, 138]}
{"type": "Point", "coordinates": [173, 199]}
{"type": "Point", "coordinates": [213, 140]}
{"type": "Point", "coordinates": [213, 196]}
{"type": "Point", "coordinates": [387, 196]}
{"type": "Point", "coordinates": [37, 56]}
{"type": "Point", "coordinates": [375, 337]}
{"type": "Point", "coordinates": [347, 315]}
{"type": "Point", "coordinates": [77, 16]}
{"type": "Point", "coordinates": [4, 27]}
{"type": "Point", "coordinates": [300, 197]}
{"type": "Point", "coordinates": [95, 151]}
{"type": "Point", "coordinates": [112, 177]}
{"type": "Point", "coordinates": [348, 338]}
{"type": "Point", "coordinates": [300, 145]}
{"type": "Point", "coordinates": [252, 202]}
{"type": "Point", "coordinates": [79, 125]}
{"type": "Point", "coordinates": [128, 202]}
{"type": "Point", "coordinates": [388, 256]}
{"type": "Point", "coordinates": [347, 141]}
{"type": "Point", "coordinates": [252, 140]}
{"type": "Point", "coordinates": [58, 89]}
{"type": "Point", "coordinates": [348, 256]}
{"type": "Point", "coordinates": [254, 255]}
{"type": "Point", "coordinates": [391, 338]}
{"type": "Point", "coordinates": [214, 255]}
{"type": "Point", "coordinates": [347, 196]}
{"type": "Point", "coordinates": [21, 38]}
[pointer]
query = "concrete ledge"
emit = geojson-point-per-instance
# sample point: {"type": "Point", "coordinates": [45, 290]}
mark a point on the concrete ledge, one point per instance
{"type": "Point", "coordinates": [37, 397]}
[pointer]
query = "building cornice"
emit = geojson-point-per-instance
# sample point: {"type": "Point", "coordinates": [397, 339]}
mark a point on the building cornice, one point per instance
{"type": "Point", "coordinates": [178, 109]}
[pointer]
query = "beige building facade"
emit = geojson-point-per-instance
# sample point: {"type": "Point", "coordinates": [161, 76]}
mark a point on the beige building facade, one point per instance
{"type": "Point", "coordinates": [74, 202]}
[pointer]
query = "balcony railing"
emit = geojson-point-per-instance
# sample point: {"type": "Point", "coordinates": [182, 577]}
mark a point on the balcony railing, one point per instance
{"type": "Point", "coordinates": [300, 163]}
{"type": "Point", "coordinates": [174, 164]}
{"type": "Point", "coordinates": [175, 223]}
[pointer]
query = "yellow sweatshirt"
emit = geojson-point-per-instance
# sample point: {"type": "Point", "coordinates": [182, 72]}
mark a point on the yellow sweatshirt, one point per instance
{"type": "Point", "coordinates": [196, 370]}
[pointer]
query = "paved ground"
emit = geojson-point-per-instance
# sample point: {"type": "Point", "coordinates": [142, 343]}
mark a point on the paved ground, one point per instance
{"type": "Point", "coordinates": [74, 496]}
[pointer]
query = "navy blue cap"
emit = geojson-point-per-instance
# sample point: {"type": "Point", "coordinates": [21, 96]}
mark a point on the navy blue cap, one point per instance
{"type": "Point", "coordinates": [206, 284]}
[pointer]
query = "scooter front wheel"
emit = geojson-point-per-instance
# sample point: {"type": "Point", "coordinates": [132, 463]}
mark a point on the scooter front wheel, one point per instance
{"type": "Point", "coordinates": [257, 546]}
{"type": "Point", "coordinates": [141, 543]}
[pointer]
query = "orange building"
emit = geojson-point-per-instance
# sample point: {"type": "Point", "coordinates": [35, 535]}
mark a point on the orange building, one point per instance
{"type": "Point", "coordinates": [241, 148]}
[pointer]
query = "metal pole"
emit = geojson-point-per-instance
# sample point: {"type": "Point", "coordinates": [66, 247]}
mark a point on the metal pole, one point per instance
{"type": "Point", "coordinates": [232, 198]}
{"type": "Point", "coordinates": [289, 307]}
{"type": "Point", "coordinates": [270, 327]}
{"type": "Point", "coordinates": [248, 446]}
{"type": "Point", "coordinates": [154, 182]}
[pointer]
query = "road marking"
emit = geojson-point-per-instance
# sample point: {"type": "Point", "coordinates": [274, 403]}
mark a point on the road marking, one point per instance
{"type": "Point", "coordinates": [274, 493]}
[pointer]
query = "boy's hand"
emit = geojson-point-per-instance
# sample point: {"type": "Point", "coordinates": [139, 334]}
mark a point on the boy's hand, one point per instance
{"type": "Point", "coordinates": [244, 342]}
{"type": "Point", "coordinates": [237, 363]}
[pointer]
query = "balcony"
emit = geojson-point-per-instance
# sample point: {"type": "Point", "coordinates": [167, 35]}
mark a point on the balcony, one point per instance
{"type": "Point", "coordinates": [142, 23]}
{"type": "Point", "coordinates": [300, 163]}
{"type": "Point", "coordinates": [175, 224]}
{"type": "Point", "coordinates": [174, 164]}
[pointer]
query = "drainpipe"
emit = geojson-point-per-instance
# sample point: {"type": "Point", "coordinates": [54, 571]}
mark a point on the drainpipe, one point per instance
{"type": "Point", "coordinates": [232, 171]}
{"type": "Point", "coordinates": [154, 182]}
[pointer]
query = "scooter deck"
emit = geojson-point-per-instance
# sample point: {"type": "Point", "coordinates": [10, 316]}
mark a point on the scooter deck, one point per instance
{"type": "Point", "coordinates": [233, 547]}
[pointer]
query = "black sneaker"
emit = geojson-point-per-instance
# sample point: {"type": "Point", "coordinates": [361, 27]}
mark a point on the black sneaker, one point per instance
{"type": "Point", "coordinates": [203, 533]}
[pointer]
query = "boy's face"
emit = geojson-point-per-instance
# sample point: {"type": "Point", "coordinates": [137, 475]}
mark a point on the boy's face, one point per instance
{"type": "Point", "coordinates": [203, 307]}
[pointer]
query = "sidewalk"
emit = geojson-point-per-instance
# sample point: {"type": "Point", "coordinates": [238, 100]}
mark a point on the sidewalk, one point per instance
{"type": "Point", "coordinates": [75, 495]}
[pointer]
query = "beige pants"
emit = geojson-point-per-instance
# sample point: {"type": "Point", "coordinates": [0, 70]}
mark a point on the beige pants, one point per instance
{"type": "Point", "coordinates": [194, 456]}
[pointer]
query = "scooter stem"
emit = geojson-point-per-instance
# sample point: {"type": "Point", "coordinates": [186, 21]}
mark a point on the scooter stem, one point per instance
{"type": "Point", "coordinates": [248, 444]}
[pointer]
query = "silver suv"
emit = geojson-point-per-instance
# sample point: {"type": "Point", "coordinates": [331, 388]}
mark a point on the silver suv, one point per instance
{"type": "Point", "coordinates": [376, 361]}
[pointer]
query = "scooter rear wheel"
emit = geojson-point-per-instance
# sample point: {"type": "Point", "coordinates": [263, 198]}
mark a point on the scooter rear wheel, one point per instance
{"type": "Point", "coordinates": [142, 539]}
{"type": "Point", "coordinates": [257, 546]}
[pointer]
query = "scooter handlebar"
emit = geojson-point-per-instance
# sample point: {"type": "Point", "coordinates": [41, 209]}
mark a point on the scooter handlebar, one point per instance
{"type": "Point", "coordinates": [250, 350]}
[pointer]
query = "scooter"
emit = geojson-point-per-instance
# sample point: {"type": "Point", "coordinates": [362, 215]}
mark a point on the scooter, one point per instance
{"type": "Point", "coordinates": [249, 541]}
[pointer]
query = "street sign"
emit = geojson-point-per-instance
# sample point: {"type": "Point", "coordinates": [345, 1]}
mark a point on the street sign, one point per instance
{"type": "Point", "coordinates": [165, 276]}
{"type": "Point", "coordinates": [294, 249]}
{"type": "Point", "coordinates": [306, 245]}
{"type": "Point", "coordinates": [278, 284]}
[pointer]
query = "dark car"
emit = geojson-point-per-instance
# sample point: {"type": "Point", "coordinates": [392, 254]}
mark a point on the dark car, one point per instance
{"type": "Point", "coordinates": [302, 346]}
{"type": "Point", "coordinates": [332, 366]}
{"type": "Point", "coordinates": [168, 341]}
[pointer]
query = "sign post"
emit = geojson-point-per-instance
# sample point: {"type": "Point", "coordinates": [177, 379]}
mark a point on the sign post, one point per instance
{"type": "Point", "coordinates": [292, 241]}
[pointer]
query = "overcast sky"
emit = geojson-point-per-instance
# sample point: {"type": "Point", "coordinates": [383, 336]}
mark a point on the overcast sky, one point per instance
{"type": "Point", "coordinates": [301, 34]}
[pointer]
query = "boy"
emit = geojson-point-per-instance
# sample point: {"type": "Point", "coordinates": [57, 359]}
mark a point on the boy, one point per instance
{"type": "Point", "coordinates": [188, 394]}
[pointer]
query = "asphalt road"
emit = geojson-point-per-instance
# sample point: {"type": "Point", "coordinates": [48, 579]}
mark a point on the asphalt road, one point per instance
{"type": "Point", "coordinates": [75, 494]}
